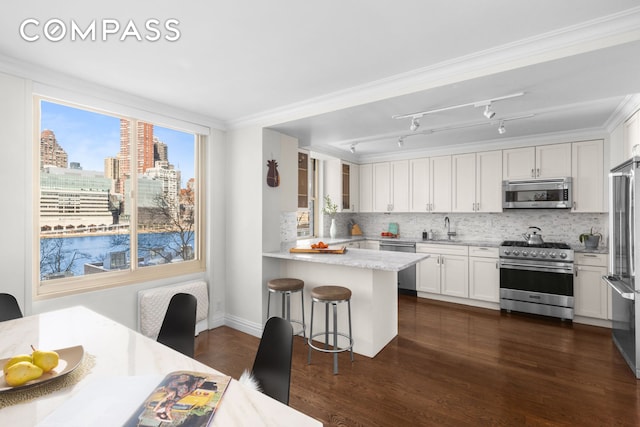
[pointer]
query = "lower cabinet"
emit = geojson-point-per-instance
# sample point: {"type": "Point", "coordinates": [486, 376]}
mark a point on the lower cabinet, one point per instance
{"type": "Point", "coordinates": [445, 272]}
{"type": "Point", "coordinates": [484, 274]}
{"type": "Point", "coordinates": [370, 244]}
{"type": "Point", "coordinates": [590, 292]}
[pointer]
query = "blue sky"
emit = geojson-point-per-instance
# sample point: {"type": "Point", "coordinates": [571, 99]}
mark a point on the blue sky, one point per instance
{"type": "Point", "coordinates": [88, 138]}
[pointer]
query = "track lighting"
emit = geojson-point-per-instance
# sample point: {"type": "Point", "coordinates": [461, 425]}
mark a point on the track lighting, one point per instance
{"type": "Point", "coordinates": [488, 112]}
{"type": "Point", "coordinates": [415, 124]}
{"type": "Point", "coordinates": [352, 148]}
{"type": "Point", "coordinates": [501, 129]}
{"type": "Point", "coordinates": [400, 142]}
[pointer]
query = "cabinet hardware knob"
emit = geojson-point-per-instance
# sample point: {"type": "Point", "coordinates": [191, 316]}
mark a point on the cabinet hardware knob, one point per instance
{"type": "Point", "coordinates": [533, 173]}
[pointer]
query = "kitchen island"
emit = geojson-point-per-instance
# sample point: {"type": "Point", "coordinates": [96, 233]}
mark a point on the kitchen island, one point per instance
{"type": "Point", "coordinates": [372, 278]}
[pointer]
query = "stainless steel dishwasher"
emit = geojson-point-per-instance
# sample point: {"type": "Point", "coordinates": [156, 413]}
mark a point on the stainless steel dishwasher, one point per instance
{"type": "Point", "coordinates": [406, 277]}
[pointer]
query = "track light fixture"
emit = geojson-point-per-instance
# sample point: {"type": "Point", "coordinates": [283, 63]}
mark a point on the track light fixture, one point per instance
{"type": "Point", "coordinates": [352, 148]}
{"type": "Point", "coordinates": [415, 124]}
{"type": "Point", "coordinates": [501, 128]}
{"type": "Point", "coordinates": [488, 112]}
{"type": "Point", "coordinates": [400, 142]}
{"type": "Point", "coordinates": [486, 103]}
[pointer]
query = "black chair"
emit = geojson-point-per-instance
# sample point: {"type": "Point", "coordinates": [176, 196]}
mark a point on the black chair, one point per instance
{"type": "Point", "coordinates": [9, 308]}
{"type": "Point", "coordinates": [179, 324]}
{"type": "Point", "coordinates": [272, 365]}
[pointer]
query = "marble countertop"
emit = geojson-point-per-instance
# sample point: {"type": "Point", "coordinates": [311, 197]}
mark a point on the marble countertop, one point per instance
{"type": "Point", "coordinates": [348, 239]}
{"type": "Point", "coordinates": [352, 257]}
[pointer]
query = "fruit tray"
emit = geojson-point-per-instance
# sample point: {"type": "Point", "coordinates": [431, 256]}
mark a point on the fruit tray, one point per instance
{"type": "Point", "coordinates": [70, 358]}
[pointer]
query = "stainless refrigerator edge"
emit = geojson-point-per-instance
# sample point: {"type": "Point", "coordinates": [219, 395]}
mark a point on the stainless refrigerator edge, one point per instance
{"type": "Point", "coordinates": [624, 225]}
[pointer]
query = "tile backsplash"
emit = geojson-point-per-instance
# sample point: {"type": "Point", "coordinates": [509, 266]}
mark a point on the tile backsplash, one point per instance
{"type": "Point", "coordinates": [556, 225]}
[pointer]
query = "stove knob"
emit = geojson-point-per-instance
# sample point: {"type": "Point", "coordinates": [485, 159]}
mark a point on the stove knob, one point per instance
{"type": "Point", "coordinates": [543, 254]}
{"type": "Point", "coordinates": [534, 254]}
{"type": "Point", "coordinates": [563, 255]}
{"type": "Point", "coordinates": [525, 253]}
{"type": "Point", "coordinates": [553, 254]}
{"type": "Point", "coordinates": [516, 252]}
{"type": "Point", "coordinates": [506, 251]}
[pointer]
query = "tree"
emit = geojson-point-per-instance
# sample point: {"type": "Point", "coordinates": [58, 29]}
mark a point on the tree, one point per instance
{"type": "Point", "coordinates": [56, 259]}
{"type": "Point", "coordinates": [176, 215]}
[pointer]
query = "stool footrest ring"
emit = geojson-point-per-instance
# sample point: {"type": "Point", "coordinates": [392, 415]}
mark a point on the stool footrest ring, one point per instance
{"type": "Point", "coordinates": [330, 350]}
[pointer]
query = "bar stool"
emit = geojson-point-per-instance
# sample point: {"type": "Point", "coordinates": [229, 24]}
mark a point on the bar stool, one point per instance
{"type": "Point", "coordinates": [330, 295]}
{"type": "Point", "coordinates": [285, 287]}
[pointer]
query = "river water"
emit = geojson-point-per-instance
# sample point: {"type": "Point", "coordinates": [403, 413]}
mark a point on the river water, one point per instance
{"type": "Point", "coordinates": [94, 248]}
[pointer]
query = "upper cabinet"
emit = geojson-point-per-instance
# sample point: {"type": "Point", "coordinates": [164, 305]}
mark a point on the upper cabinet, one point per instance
{"type": "Point", "coordinates": [391, 186]}
{"type": "Point", "coordinates": [440, 183]}
{"type": "Point", "coordinates": [341, 183]}
{"type": "Point", "coordinates": [366, 188]}
{"type": "Point", "coordinates": [477, 182]}
{"type": "Point", "coordinates": [543, 161]}
{"type": "Point", "coordinates": [588, 176]}
{"type": "Point", "coordinates": [430, 184]}
{"type": "Point", "coordinates": [419, 197]}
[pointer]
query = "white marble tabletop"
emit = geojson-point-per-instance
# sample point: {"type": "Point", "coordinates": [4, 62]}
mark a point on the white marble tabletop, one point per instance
{"type": "Point", "coordinates": [120, 353]}
{"type": "Point", "coordinates": [358, 258]}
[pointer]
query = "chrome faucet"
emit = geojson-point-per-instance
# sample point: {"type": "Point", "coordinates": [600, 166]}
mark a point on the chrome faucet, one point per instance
{"type": "Point", "coordinates": [447, 225]}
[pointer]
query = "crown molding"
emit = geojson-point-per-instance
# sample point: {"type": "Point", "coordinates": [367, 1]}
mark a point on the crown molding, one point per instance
{"type": "Point", "coordinates": [606, 31]}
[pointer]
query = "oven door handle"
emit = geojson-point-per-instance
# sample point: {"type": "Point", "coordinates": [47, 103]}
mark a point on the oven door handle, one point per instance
{"type": "Point", "coordinates": [619, 287]}
{"type": "Point", "coordinates": [536, 267]}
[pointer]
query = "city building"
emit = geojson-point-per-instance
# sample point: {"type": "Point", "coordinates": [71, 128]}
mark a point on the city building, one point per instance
{"type": "Point", "coordinates": [73, 198]}
{"type": "Point", "coordinates": [51, 153]}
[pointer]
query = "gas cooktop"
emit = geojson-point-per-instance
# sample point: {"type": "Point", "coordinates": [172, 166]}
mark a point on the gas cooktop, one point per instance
{"type": "Point", "coordinates": [546, 245]}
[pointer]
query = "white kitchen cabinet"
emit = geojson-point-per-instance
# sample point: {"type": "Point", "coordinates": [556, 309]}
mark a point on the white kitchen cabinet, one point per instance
{"type": "Point", "coordinates": [365, 182]}
{"type": "Point", "coordinates": [440, 183]}
{"type": "Point", "coordinates": [370, 244]}
{"type": "Point", "coordinates": [477, 182]}
{"type": "Point", "coordinates": [587, 171]}
{"type": "Point", "coordinates": [542, 161]}
{"type": "Point", "coordinates": [463, 178]}
{"type": "Point", "coordinates": [590, 292]}
{"type": "Point", "coordinates": [445, 272]}
{"type": "Point", "coordinates": [391, 186]}
{"type": "Point", "coordinates": [341, 184]}
{"type": "Point", "coordinates": [419, 200]}
{"type": "Point", "coordinates": [484, 274]}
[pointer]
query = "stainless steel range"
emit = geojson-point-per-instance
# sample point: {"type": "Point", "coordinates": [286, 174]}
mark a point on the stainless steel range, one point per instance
{"type": "Point", "coordinates": [537, 278]}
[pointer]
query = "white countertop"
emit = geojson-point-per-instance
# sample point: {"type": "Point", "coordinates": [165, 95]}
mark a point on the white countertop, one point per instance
{"type": "Point", "coordinates": [359, 258]}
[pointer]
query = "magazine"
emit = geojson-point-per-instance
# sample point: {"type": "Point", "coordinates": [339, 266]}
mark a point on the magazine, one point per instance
{"type": "Point", "coordinates": [183, 398]}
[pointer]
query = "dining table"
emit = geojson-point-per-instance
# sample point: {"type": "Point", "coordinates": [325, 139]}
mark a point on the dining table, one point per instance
{"type": "Point", "coordinates": [114, 369]}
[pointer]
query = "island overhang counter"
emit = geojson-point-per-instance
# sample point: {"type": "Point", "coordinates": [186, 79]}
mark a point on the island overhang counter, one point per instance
{"type": "Point", "coordinates": [372, 277]}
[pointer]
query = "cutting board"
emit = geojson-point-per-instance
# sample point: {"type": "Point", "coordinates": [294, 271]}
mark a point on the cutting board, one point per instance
{"type": "Point", "coordinates": [318, 251]}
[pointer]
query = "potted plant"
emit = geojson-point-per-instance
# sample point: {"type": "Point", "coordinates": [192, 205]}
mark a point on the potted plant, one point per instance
{"type": "Point", "coordinates": [591, 239]}
{"type": "Point", "coordinates": [330, 209]}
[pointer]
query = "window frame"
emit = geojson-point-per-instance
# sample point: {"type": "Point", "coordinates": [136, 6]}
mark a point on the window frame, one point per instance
{"type": "Point", "coordinates": [135, 274]}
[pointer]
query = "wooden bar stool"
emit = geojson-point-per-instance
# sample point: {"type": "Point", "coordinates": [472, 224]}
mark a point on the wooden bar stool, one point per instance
{"type": "Point", "coordinates": [331, 295]}
{"type": "Point", "coordinates": [285, 287]}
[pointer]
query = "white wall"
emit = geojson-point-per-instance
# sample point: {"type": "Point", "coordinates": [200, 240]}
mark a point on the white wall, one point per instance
{"type": "Point", "coordinates": [16, 255]}
{"type": "Point", "coordinates": [243, 242]}
{"type": "Point", "coordinates": [13, 129]}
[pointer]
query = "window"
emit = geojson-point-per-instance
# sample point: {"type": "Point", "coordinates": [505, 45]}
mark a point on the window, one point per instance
{"type": "Point", "coordinates": [119, 200]}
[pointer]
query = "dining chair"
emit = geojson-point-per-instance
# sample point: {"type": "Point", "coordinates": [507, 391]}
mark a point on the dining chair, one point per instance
{"type": "Point", "coordinates": [179, 324]}
{"type": "Point", "coordinates": [9, 308]}
{"type": "Point", "coordinates": [272, 365]}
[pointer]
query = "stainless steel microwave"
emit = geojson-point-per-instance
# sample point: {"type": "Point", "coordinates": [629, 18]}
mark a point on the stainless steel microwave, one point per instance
{"type": "Point", "coordinates": [553, 193]}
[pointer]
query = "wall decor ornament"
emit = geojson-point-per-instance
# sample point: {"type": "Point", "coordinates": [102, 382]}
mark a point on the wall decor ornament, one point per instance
{"type": "Point", "coordinates": [273, 177]}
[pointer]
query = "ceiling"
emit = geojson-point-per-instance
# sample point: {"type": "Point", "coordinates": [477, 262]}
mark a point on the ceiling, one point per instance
{"type": "Point", "coordinates": [334, 73]}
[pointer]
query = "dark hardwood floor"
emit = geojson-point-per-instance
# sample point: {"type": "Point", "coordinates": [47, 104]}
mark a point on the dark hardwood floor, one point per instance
{"type": "Point", "coordinates": [453, 365]}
